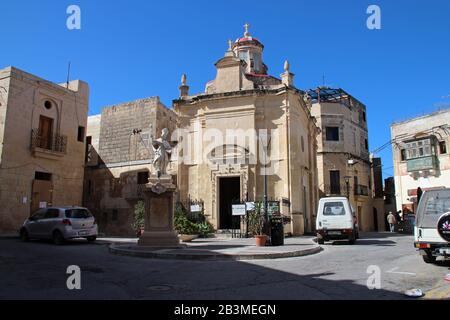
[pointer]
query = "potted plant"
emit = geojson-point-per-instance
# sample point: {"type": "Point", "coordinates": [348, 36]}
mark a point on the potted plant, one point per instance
{"type": "Point", "coordinates": [205, 229]}
{"type": "Point", "coordinates": [256, 222]}
{"type": "Point", "coordinates": [139, 218]}
{"type": "Point", "coordinates": [187, 229]}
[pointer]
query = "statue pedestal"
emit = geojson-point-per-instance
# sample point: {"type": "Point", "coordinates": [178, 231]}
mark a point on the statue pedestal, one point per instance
{"type": "Point", "coordinates": [158, 231]}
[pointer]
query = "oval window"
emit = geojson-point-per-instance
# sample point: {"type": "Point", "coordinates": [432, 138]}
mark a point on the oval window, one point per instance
{"type": "Point", "coordinates": [47, 105]}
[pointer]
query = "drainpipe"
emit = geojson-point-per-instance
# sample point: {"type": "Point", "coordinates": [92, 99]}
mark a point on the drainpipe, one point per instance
{"type": "Point", "coordinates": [288, 153]}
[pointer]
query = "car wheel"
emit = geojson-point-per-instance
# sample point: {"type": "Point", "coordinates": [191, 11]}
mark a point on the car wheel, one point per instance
{"type": "Point", "coordinates": [24, 235]}
{"type": "Point", "coordinates": [429, 258]}
{"type": "Point", "coordinates": [320, 240]}
{"type": "Point", "coordinates": [58, 237]}
{"type": "Point", "coordinates": [352, 240]}
{"type": "Point", "coordinates": [91, 239]}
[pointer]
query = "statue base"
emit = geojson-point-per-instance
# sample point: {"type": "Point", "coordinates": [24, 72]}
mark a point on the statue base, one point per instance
{"type": "Point", "coordinates": [163, 239]}
{"type": "Point", "coordinates": [159, 211]}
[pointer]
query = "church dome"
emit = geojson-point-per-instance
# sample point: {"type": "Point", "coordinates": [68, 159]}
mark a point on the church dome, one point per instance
{"type": "Point", "coordinates": [250, 49]}
{"type": "Point", "coordinates": [248, 41]}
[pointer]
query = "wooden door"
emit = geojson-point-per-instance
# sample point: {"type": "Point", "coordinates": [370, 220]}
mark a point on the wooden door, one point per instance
{"type": "Point", "coordinates": [41, 192]}
{"type": "Point", "coordinates": [45, 132]}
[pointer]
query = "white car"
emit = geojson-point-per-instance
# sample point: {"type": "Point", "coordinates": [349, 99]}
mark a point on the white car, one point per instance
{"type": "Point", "coordinates": [336, 220]}
{"type": "Point", "coordinates": [60, 224]}
{"type": "Point", "coordinates": [432, 229]}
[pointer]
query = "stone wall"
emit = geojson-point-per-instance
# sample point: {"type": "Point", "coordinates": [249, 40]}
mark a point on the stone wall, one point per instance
{"type": "Point", "coordinates": [111, 186]}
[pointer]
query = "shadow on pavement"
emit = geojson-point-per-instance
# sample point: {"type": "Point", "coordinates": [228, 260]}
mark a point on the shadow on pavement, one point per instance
{"type": "Point", "coordinates": [118, 277]}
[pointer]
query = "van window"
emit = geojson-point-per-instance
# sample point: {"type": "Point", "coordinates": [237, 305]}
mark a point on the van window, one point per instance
{"type": "Point", "coordinates": [333, 209]}
{"type": "Point", "coordinates": [437, 205]}
{"type": "Point", "coordinates": [78, 214]}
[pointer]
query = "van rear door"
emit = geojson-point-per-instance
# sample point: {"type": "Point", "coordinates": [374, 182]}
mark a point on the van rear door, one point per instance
{"type": "Point", "coordinates": [337, 215]}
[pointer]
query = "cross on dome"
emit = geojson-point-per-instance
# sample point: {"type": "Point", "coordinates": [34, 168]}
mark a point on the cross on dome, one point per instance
{"type": "Point", "coordinates": [246, 33]}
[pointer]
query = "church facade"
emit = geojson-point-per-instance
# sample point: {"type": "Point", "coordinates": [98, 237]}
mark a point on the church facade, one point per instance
{"type": "Point", "coordinates": [250, 135]}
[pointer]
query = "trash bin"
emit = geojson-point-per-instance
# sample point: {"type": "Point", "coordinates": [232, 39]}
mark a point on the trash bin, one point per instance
{"type": "Point", "coordinates": [276, 231]}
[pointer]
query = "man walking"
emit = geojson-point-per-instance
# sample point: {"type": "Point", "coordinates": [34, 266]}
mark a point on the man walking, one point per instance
{"type": "Point", "coordinates": [392, 221]}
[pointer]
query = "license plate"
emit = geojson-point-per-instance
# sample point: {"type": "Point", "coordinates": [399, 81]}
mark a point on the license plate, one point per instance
{"type": "Point", "coordinates": [334, 233]}
{"type": "Point", "coordinates": [83, 233]}
{"type": "Point", "coordinates": [445, 251]}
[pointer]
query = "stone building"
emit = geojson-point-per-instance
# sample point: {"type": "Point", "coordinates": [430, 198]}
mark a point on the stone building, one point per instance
{"type": "Point", "coordinates": [224, 133]}
{"type": "Point", "coordinates": [42, 144]}
{"type": "Point", "coordinates": [119, 160]}
{"type": "Point", "coordinates": [343, 159]}
{"type": "Point", "coordinates": [421, 156]}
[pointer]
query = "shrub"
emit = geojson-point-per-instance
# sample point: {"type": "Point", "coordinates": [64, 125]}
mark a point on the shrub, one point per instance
{"type": "Point", "coordinates": [256, 220]}
{"type": "Point", "coordinates": [139, 217]}
{"type": "Point", "coordinates": [185, 223]}
{"type": "Point", "coordinates": [205, 228]}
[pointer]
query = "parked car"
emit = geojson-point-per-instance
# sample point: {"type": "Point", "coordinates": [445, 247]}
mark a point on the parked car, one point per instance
{"type": "Point", "coordinates": [60, 224]}
{"type": "Point", "coordinates": [336, 220]}
{"type": "Point", "coordinates": [432, 220]}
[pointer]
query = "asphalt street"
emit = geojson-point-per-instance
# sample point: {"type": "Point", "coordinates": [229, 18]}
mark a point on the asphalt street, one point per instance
{"type": "Point", "coordinates": [37, 270]}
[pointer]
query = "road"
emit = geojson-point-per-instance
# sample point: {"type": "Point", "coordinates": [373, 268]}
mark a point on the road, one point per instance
{"type": "Point", "coordinates": [37, 270]}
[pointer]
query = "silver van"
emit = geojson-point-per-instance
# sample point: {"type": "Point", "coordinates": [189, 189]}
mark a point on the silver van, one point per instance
{"type": "Point", "coordinates": [60, 224]}
{"type": "Point", "coordinates": [432, 229]}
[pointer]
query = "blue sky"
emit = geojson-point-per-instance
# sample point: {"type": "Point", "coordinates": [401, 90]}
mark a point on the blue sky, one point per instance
{"type": "Point", "coordinates": [130, 49]}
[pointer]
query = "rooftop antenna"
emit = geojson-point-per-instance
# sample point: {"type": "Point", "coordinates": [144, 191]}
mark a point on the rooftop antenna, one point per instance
{"type": "Point", "coordinates": [68, 76]}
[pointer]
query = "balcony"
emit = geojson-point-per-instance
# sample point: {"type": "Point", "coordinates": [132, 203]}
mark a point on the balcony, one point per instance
{"type": "Point", "coordinates": [422, 164]}
{"type": "Point", "coordinates": [51, 147]}
{"type": "Point", "coordinates": [361, 190]}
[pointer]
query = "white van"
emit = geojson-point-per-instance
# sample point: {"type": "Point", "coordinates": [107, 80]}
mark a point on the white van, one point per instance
{"type": "Point", "coordinates": [432, 229]}
{"type": "Point", "coordinates": [336, 220]}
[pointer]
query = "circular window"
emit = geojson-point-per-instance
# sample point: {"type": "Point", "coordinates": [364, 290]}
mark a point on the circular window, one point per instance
{"type": "Point", "coordinates": [47, 105]}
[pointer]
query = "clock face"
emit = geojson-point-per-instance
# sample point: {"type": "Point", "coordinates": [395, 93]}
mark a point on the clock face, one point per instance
{"type": "Point", "coordinates": [444, 227]}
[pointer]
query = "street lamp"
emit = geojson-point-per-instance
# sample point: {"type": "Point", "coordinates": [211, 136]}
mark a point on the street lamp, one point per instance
{"type": "Point", "coordinates": [347, 184]}
{"type": "Point", "coordinates": [268, 140]}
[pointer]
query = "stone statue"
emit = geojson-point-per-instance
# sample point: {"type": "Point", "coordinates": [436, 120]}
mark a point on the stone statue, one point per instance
{"type": "Point", "coordinates": [307, 99]}
{"type": "Point", "coordinates": [162, 151]}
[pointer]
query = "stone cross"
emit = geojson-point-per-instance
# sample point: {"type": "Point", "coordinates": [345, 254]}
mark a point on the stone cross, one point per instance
{"type": "Point", "coordinates": [246, 26]}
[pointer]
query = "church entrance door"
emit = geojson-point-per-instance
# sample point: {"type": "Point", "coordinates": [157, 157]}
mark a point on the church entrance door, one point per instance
{"type": "Point", "coordinates": [229, 193]}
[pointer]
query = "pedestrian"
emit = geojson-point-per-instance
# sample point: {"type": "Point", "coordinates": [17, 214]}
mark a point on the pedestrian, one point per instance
{"type": "Point", "coordinates": [392, 221]}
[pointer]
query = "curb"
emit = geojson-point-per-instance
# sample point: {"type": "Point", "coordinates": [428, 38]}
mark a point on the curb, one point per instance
{"type": "Point", "coordinates": [9, 236]}
{"type": "Point", "coordinates": [127, 251]}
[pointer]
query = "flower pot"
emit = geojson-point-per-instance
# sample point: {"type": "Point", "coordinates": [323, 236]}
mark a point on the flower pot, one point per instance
{"type": "Point", "coordinates": [260, 241]}
{"type": "Point", "coordinates": [139, 232]}
{"type": "Point", "coordinates": [188, 237]}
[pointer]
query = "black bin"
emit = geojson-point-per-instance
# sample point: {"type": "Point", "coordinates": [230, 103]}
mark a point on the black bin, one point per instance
{"type": "Point", "coordinates": [276, 231]}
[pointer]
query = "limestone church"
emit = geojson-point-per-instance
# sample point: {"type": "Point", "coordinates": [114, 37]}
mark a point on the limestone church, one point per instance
{"type": "Point", "coordinates": [248, 124]}
{"type": "Point", "coordinates": [248, 134]}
